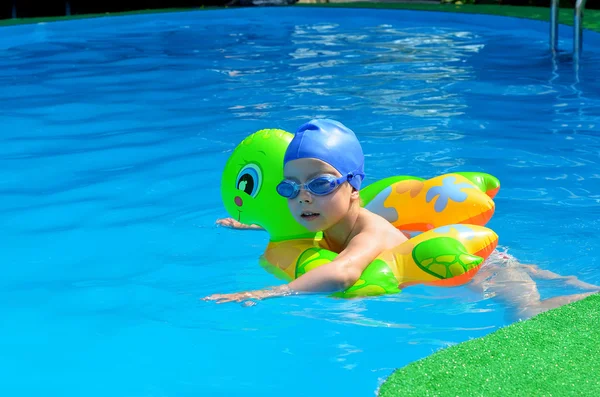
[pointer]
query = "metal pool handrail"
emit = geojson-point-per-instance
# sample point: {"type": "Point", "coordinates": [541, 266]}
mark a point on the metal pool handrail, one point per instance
{"type": "Point", "coordinates": [578, 33]}
{"type": "Point", "coordinates": [577, 26]}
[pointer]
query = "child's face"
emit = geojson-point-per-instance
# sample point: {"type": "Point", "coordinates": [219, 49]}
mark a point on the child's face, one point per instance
{"type": "Point", "coordinates": [317, 213]}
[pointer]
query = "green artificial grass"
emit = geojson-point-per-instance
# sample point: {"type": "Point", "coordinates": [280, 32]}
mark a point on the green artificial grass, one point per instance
{"type": "Point", "coordinates": [21, 21]}
{"type": "Point", "coordinates": [590, 21]}
{"type": "Point", "coordinates": [556, 353]}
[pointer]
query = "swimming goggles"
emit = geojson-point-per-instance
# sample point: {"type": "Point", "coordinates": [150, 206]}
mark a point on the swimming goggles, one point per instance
{"type": "Point", "coordinates": [319, 186]}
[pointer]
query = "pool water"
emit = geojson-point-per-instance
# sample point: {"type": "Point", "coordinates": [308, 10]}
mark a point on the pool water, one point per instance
{"type": "Point", "coordinates": [114, 132]}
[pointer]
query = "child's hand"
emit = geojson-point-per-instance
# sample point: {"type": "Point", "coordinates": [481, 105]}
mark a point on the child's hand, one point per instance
{"type": "Point", "coordinates": [282, 290]}
{"type": "Point", "coordinates": [236, 297]}
{"type": "Point", "coordinates": [232, 223]}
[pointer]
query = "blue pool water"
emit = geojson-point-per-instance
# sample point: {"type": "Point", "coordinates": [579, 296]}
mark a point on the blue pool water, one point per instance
{"type": "Point", "coordinates": [113, 135]}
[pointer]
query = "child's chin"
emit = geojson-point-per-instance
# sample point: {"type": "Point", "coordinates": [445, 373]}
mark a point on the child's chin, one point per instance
{"type": "Point", "coordinates": [313, 228]}
{"type": "Point", "coordinates": [313, 225]}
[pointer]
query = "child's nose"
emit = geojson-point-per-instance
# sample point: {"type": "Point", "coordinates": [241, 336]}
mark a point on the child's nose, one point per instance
{"type": "Point", "coordinates": [304, 196]}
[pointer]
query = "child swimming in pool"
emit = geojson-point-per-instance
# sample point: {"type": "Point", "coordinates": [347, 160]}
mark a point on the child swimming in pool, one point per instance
{"type": "Point", "coordinates": [323, 168]}
{"type": "Point", "coordinates": [323, 171]}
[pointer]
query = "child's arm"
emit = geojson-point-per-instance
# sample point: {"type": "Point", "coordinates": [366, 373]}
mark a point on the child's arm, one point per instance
{"type": "Point", "coordinates": [232, 223]}
{"type": "Point", "coordinates": [337, 275]}
{"type": "Point", "coordinates": [345, 270]}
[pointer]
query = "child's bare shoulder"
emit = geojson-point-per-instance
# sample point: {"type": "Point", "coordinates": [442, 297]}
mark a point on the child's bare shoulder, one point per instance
{"type": "Point", "coordinates": [382, 231]}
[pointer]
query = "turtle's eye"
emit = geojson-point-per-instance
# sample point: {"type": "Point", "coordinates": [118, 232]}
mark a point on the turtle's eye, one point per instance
{"type": "Point", "coordinates": [249, 179]}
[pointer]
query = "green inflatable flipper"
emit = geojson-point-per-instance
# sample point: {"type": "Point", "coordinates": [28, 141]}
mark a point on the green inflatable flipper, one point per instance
{"type": "Point", "coordinates": [444, 257]}
{"type": "Point", "coordinates": [487, 183]}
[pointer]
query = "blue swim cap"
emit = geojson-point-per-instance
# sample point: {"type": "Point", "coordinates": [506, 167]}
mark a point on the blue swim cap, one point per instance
{"type": "Point", "coordinates": [331, 142]}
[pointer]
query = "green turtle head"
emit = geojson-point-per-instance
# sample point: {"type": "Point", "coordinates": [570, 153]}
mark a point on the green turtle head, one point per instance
{"type": "Point", "coordinates": [249, 181]}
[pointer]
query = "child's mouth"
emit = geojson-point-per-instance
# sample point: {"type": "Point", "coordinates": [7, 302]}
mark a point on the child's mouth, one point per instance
{"type": "Point", "coordinates": [309, 216]}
